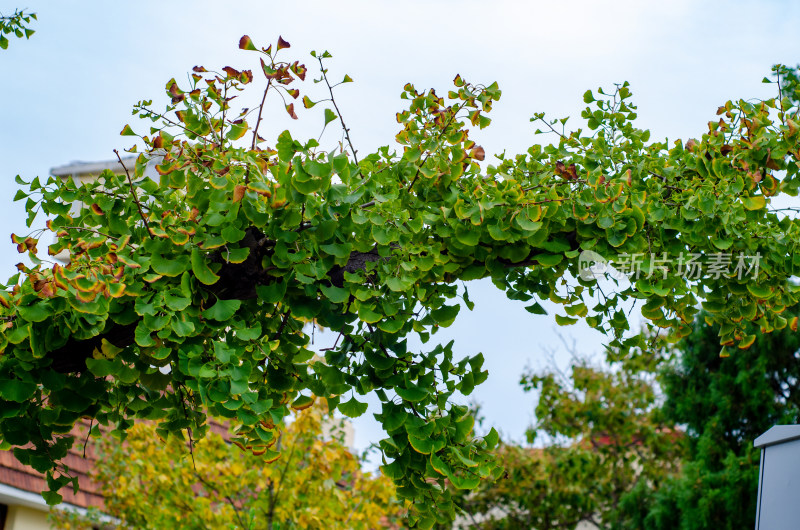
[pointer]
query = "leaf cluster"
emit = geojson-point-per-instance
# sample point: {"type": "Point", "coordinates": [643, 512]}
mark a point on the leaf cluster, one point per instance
{"type": "Point", "coordinates": [16, 25]}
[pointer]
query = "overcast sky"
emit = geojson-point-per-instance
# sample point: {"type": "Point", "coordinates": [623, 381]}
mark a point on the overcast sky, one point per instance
{"type": "Point", "coordinates": [68, 91]}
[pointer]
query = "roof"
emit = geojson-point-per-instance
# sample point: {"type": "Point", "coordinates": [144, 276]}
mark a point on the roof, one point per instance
{"type": "Point", "coordinates": [83, 169]}
{"type": "Point", "coordinates": [777, 435]}
{"type": "Point", "coordinates": [27, 479]}
{"type": "Point", "coordinates": [94, 168]}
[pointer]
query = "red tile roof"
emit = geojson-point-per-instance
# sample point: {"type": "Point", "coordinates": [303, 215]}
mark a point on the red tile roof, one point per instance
{"type": "Point", "coordinates": [25, 478]}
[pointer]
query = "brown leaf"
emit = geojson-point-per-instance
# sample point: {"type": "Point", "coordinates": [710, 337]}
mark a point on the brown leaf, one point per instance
{"type": "Point", "coordinates": [725, 149]}
{"type": "Point", "coordinates": [793, 127]}
{"type": "Point", "coordinates": [274, 75]}
{"type": "Point", "coordinates": [232, 72]}
{"type": "Point", "coordinates": [238, 192]}
{"type": "Point", "coordinates": [246, 43]}
{"type": "Point", "coordinates": [47, 290]}
{"type": "Point", "coordinates": [290, 110]}
{"type": "Point", "coordinates": [691, 145]}
{"type": "Point", "coordinates": [30, 244]}
{"type": "Point", "coordinates": [478, 153]}
{"type": "Point", "coordinates": [771, 164]}
{"type": "Point", "coordinates": [299, 70]}
{"type": "Point", "coordinates": [282, 44]}
{"type": "Point", "coordinates": [175, 92]}
{"type": "Point", "coordinates": [199, 69]}
{"type": "Point", "coordinates": [573, 172]}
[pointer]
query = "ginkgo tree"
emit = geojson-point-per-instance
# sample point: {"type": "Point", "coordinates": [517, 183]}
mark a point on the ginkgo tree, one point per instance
{"type": "Point", "coordinates": [188, 295]}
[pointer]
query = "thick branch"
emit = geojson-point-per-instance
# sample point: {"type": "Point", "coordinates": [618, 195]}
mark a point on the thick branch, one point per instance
{"type": "Point", "coordinates": [237, 281]}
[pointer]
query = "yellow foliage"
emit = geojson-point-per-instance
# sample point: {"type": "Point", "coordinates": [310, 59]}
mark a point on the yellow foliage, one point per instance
{"type": "Point", "coordinates": [316, 483]}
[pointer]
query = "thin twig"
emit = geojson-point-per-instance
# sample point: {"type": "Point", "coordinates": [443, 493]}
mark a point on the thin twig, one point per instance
{"type": "Point", "coordinates": [282, 476]}
{"type": "Point", "coordinates": [171, 122]}
{"type": "Point", "coordinates": [188, 429]}
{"type": "Point", "coordinates": [260, 108]}
{"type": "Point", "coordinates": [85, 229]}
{"type": "Point", "coordinates": [227, 497]}
{"type": "Point", "coordinates": [88, 433]}
{"type": "Point", "coordinates": [341, 119]}
{"type": "Point", "coordinates": [283, 324]}
{"type": "Point", "coordinates": [579, 181]}
{"type": "Point", "coordinates": [383, 349]}
{"type": "Point", "coordinates": [133, 192]}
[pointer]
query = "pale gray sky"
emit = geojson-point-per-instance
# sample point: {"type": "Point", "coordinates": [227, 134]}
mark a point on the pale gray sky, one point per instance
{"type": "Point", "coordinates": [68, 91]}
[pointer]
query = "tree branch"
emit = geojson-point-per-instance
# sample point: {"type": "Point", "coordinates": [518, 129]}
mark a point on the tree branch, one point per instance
{"type": "Point", "coordinates": [133, 193]}
{"type": "Point", "coordinates": [238, 281]}
{"type": "Point", "coordinates": [339, 112]}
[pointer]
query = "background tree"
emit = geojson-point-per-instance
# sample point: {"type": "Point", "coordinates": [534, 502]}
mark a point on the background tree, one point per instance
{"type": "Point", "coordinates": [319, 483]}
{"type": "Point", "coordinates": [187, 296]}
{"type": "Point", "coordinates": [603, 434]}
{"type": "Point", "coordinates": [620, 462]}
{"type": "Point", "coordinates": [725, 404]}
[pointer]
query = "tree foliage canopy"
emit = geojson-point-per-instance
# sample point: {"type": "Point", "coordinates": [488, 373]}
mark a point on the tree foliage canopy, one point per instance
{"type": "Point", "coordinates": [188, 295]}
{"type": "Point", "coordinates": [725, 403]}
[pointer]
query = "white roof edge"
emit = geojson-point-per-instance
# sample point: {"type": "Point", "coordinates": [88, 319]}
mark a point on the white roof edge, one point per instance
{"type": "Point", "coordinates": [15, 496]}
{"type": "Point", "coordinates": [79, 168]}
{"type": "Point", "coordinates": [778, 434]}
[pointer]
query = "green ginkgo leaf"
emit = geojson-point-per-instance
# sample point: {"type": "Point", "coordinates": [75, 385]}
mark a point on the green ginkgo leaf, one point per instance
{"type": "Point", "coordinates": [352, 408]}
{"type": "Point", "coordinates": [201, 270]}
{"type": "Point", "coordinates": [222, 310]}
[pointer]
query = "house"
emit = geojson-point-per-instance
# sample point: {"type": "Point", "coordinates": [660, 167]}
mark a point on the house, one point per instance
{"type": "Point", "coordinates": [21, 503]}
